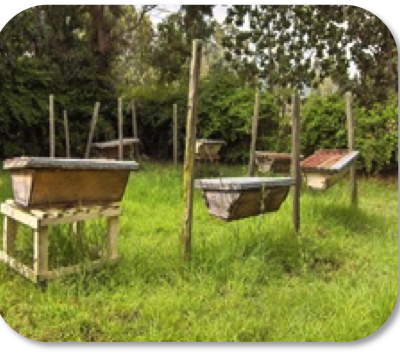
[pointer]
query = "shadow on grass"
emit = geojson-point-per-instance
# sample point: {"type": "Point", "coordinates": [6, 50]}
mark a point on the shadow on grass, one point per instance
{"type": "Point", "coordinates": [350, 217]}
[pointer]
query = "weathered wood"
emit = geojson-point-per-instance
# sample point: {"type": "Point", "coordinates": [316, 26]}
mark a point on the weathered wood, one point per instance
{"type": "Point", "coordinates": [66, 130]}
{"type": "Point", "coordinates": [272, 161]}
{"type": "Point", "coordinates": [296, 174]}
{"type": "Point", "coordinates": [9, 235]}
{"type": "Point", "coordinates": [351, 146]}
{"type": "Point", "coordinates": [134, 130]}
{"type": "Point", "coordinates": [24, 270]}
{"type": "Point", "coordinates": [233, 205]}
{"type": "Point", "coordinates": [67, 164]}
{"type": "Point", "coordinates": [52, 132]}
{"type": "Point", "coordinates": [51, 216]}
{"type": "Point", "coordinates": [208, 149]}
{"type": "Point", "coordinates": [112, 237]}
{"type": "Point", "coordinates": [92, 128]}
{"type": "Point", "coordinates": [110, 149]}
{"type": "Point", "coordinates": [120, 131]}
{"type": "Point", "coordinates": [52, 187]}
{"type": "Point", "coordinates": [41, 250]}
{"type": "Point", "coordinates": [254, 131]}
{"type": "Point", "coordinates": [188, 176]}
{"type": "Point", "coordinates": [175, 134]}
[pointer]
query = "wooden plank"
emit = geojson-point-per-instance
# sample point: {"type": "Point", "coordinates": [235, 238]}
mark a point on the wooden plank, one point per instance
{"type": "Point", "coordinates": [351, 144]}
{"type": "Point", "coordinates": [254, 131]}
{"type": "Point", "coordinates": [112, 237]}
{"type": "Point", "coordinates": [135, 132]}
{"type": "Point", "coordinates": [52, 131]}
{"type": "Point", "coordinates": [296, 174]}
{"type": "Point", "coordinates": [81, 216]}
{"type": "Point", "coordinates": [243, 183]}
{"type": "Point", "coordinates": [20, 215]}
{"type": "Point", "coordinates": [175, 134]}
{"type": "Point", "coordinates": [41, 250]}
{"type": "Point", "coordinates": [9, 235]}
{"type": "Point", "coordinates": [66, 130]}
{"type": "Point", "coordinates": [115, 143]}
{"type": "Point", "coordinates": [120, 131]}
{"type": "Point", "coordinates": [92, 128]}
{"type": "Point", "coordinates": [18, 266]}
{"type": "Point", "coordinates": [188, 175]}
{"type": "Point", "coordinates": [67, 164]}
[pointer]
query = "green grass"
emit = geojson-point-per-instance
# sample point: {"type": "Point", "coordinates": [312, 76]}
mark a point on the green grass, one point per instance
{"type": "Point", "coordinates": [250, 280]}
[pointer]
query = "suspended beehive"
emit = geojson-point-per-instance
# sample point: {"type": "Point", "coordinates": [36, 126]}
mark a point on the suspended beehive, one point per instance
{"type": "Point", "coordinates": [241, 197]}
{"type": "Point", "coordinates": [208, 149]}
{"type": "Point", "coordinates": [110, 149]}
{"type": "Point", "coordinates": [67, 182]}
{"type": "Point", "coordinates": [273, 162]}
{"type": "Point", "coordinates": [327, 166]}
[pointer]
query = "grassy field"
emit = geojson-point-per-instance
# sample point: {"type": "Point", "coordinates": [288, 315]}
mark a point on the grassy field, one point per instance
{"type": "Point", "coordinates": [250, 280]}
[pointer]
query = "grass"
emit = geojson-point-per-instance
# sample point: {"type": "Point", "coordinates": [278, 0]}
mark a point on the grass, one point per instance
{"type": "Point", "coordinates": [250, 280]}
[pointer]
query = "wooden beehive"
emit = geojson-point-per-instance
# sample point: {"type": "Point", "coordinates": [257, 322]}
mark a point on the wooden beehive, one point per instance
{"type": "Point", "coordinates": [273, 162]}
{"type": "Point", "coordinates": [237, 198]}
{"type": "Point", "coordinates": [327, 166]}
{"type": "Point", "coordinates": [67, 182]}
{"type": "Point", "coordinates": [110, 149]}
{"type": "Point", "coordinates": [208, 149]}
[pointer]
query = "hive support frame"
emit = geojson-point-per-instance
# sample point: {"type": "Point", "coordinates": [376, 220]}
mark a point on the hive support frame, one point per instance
{"type": "Point", "coordinates": [40, 220]}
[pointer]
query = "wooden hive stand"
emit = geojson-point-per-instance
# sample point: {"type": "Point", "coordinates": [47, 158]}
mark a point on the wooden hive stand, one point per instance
{"type": "Point", "coordinates": [40, 220]}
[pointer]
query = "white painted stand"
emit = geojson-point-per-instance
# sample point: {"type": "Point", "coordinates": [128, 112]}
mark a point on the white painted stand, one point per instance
{"type": "Point", "coordinates": [40, 220]}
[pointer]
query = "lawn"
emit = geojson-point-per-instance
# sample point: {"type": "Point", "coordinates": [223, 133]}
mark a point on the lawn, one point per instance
{"type": "Point", "coordinates": [250, 280]}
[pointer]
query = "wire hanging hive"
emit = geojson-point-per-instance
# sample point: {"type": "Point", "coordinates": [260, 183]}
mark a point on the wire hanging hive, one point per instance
{"type": "Point", "coordinates": [240, 197]}
{"type": "Point", "coordinates": [273, 162]}
{"type": "Point", "coordinates": [327, 166]}
{"type": "Point", "coordinates": [109, 149]}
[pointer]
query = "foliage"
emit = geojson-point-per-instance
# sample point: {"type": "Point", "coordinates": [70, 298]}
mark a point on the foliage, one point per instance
{"type": "Point", "coordinates": [297, 45]}
{"type": "Point", "coordinates": [324, 125]}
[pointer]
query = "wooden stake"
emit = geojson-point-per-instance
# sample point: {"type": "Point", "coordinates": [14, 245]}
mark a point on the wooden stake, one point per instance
{"type": "Point", "coordinates": [120, 131]}
{"type": "Point", "coordinates": [92, 128]}
{"type": "Point", "coordinates": [66, 130]}
{"type": "Point", "coordinates": [134, 128]}
{"type": "Point", "coordinates": [296, 160]}
{"type": "Point", "coordinates": [351, 145]}
{"type": "Point", "coordinates": [52, 134]}
{"type": "Point", "coordinates": [188, 174]}
{"type": "Point", "coordinates": [175, 134]}
{"type": "Point", "coordinates": [254, 132]}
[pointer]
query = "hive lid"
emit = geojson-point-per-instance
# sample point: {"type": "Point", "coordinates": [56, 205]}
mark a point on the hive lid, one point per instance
{"type": "Point", "coordinates": [68, 164]}
{"type": "Point", "coordinates": [329, 160]}
{"type": "Point", "coordinates": [115, 143]}
{"type": "Point", "coordinates": [209, 141]}
{"type": "Point", "coordinates": [243, 183]}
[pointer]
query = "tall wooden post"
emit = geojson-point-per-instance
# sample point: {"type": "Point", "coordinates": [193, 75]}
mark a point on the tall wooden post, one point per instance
{"type": "Point", "coordinates": [92, 128]}
{"type": "Point", "coordinates": [52, 133]}
{"type": "Point", "coordinates": [134, 128]}
{"type": "Point", "coordinates": [120, 131]}
{"type": "Point", "coordinates": [66, 130]}
{"type": "Point", "coordinates": [175, 134]}
{"type": "Point", "coordinates": [351, 145]}
{"type": "Point", "coordinates": [296, 160]}
{"type": "Point", "coordinates": [254, 132]}
{"type": "Point", "coordinates": [188, 172]}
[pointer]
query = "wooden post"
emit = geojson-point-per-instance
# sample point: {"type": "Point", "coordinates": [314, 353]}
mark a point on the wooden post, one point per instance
{"type": "Point", "coordinates": [175, 134]}
{"type": "Point", "coordinates": [254, 131]}
{"type": "Point", "coordinates": [66, 130]}
{"type": "Point", "coordinates": [296, 160]}
{"type": "Point", "coordinates": [9, 235]}
{"type": "Point", "coordinates": [134, 127]}
{"type": "Point", "coordinates": [112, 237]}
{"type": "Point", "coordinates": [120, 131]}
{"type": "Point", "coordinates": [40, 251]}
{"type": "Point", "coordinates": [52, 134]}
{"type": "Point", "coordinates": [92, 128]}
{"type": "Point", "coordinates": [188, 174]}
{"type": "Point", "coordinates": [351, 145]}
